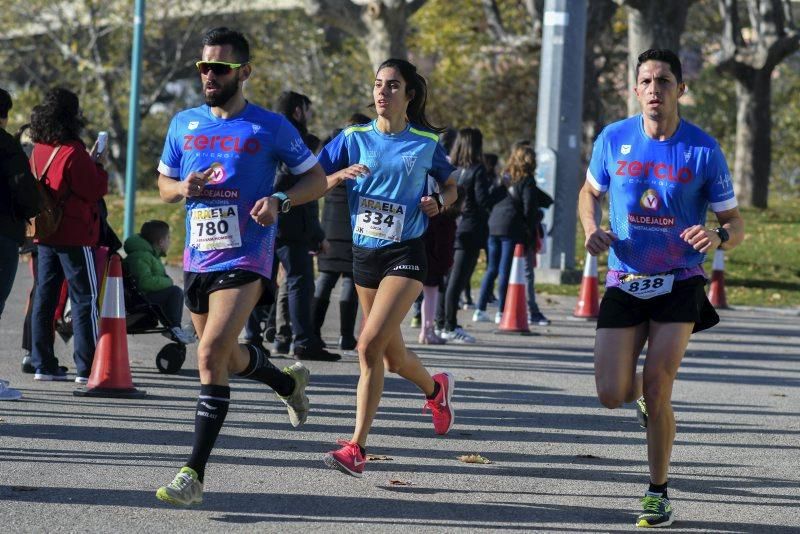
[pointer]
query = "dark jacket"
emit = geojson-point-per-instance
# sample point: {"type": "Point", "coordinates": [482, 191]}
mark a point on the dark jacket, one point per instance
{"type": "Point", "coordinates": [78, 183]}
{"type": "Point", "coordinates": [144, 265]}
{"type": "Point", "coordinates": [301, 223]}
{"type": "Point", "coordinates": [19, 200]}
{"type": "Point", "coordinates": [338, 232]}
{"type": "Point", "coordinates": [478, 201]}
{"type": "Point", "coordinates": [516, 215]}
{"type": "Point", "coordinates": [439, 239]}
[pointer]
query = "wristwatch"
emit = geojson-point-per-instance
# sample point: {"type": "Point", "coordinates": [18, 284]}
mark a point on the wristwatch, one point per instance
{"type": "Point", "coordinates": [284, 202]}
{"type": "Point", "coordinates": [723, 234]}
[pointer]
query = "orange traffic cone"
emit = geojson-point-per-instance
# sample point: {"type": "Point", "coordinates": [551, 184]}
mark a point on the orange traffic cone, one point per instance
{"type": "Point", "coordinates": [588, 305]}
{"type": "Point", "coordinates": [515, 309]}
{"type": "Point", "coordinates": [111, 371]}
{"type": "Point", "coordinates": [716, 293]}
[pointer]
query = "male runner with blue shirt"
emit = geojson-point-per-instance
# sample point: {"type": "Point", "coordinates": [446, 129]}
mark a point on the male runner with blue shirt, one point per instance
{"type": "Point", "coordinates": [221, 157]}
{"type": "Point", "coordinates": [661, 174]}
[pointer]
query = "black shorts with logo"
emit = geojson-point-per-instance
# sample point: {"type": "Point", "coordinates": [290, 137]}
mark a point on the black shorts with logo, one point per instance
{"type": "Point", "coordinates": [198, 286]}
{"type": "Point", "coordinates": [407, 259]}
{"type": "Point", "coordinates": [686, 303]}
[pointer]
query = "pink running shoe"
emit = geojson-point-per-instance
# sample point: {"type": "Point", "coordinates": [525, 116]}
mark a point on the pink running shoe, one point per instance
{"type": "Point", "coordinates": [427, 336]}
{"type": "Point", "coordinates": [440, 406]}
{"type": "Point", "coordinates": [348, 459]}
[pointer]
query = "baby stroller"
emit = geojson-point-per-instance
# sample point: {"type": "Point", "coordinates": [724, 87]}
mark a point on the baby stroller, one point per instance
{"type": "Point", "coordinates": [144, 317]}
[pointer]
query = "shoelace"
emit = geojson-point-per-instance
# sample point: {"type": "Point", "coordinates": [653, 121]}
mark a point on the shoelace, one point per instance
{"type": "Point", "coordinates": [652, 504]}
{"type": "Point", "coordinates": [433, 406]}
{"type": "Point", "coordinates": [181, 481]}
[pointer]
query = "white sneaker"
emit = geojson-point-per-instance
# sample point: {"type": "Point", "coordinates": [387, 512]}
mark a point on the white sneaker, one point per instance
{"type": "Point", "coordinates": [7, 393]}
{"type": "Point", "coordinates": [498, 318]}
{"type": "Point", "coordinates": [480, 316]}
{"type": "Point", "coordinates": [182, 335]}
{"type": "Point", "coordinates": [457, 336]}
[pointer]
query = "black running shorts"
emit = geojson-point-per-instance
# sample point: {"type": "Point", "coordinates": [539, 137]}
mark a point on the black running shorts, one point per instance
{"type": "Point", "coordinates": [406, 259]}
{"type": "Point", "coordinates": [686, 303]}
{"type": "Point", "coordinates": [198, 286]}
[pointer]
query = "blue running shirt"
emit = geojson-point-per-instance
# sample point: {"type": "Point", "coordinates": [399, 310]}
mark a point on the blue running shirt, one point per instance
{"type": "Point", "coordinates": [244, 151]}
{"type": "Point", "coordinates": [384, 205]}
{"type": "Point", "coordinates": [656, 190]}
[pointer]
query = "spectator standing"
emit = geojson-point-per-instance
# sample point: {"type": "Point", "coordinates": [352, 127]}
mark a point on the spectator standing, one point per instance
{"type": "Point", "coordinates": [77, 181]}
{"type": "Point", "coordinates": [18, 203]}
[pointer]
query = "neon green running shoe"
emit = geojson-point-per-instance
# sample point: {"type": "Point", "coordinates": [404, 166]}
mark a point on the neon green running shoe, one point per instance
{"type": "Point", "coordinates": [641, 412]}
{"type": "Point", "coordinates": [184, 490]}
{"type": "Point", "coordinates": [656, 511]}
{"type": "Point", "coordinates": [297, 403]}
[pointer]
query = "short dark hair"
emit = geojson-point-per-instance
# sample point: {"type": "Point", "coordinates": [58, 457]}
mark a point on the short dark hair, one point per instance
{"type": "Point", "coordinates": [5, 103]}
{"type": "Point", "coordinates": [225, 36]}
{"type": "Point", "coordinates": [288, 101]}
{"type": "Point", "coordinates": [154, 230]}
{"type": "Point", "coordinates": [58, 119]}
{"type": "Point", "coordinates": [468, 148]}
{"type": "Point", "coordinates": [661, 54]}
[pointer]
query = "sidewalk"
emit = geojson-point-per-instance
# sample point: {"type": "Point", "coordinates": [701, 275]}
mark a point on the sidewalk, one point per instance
{"type": "Point", "coordinates": [560, 462]}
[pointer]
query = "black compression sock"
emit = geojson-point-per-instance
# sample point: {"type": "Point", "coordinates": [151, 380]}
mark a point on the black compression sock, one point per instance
{"type": "Point", "coordinates": [436, 388]}
{"type": "Point", "coordinates": [659, 488]}
{"type": "Point", "coordinates": [212, 407]}
{"type": "Point", "coordinates": [261, 369]}
{"type": "Point", "coordinates": [363, 451]}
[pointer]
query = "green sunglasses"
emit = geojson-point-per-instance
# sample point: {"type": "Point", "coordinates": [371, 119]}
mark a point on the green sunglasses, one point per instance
{"type": "Point", "coordinates": [220, 68]}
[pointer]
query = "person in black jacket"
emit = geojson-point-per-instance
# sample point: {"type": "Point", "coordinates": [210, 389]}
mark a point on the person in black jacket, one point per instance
{"type": "Point", "coordinates": [473, 229]}
{"type": "Point", "coordinates": [514, 219]}
{"type": "Point", "coordinates": [19, 201]}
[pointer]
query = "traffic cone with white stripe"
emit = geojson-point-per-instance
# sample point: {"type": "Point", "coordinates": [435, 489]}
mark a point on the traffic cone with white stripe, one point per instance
{"type": "Point", "coordinates": [515, 309]}
{"type": "Point", "coordinates": [111, 371]}
{"type": "Point", "coordinates": [716, 293]}
{"type": "Point", "coordinates": [588, 305]}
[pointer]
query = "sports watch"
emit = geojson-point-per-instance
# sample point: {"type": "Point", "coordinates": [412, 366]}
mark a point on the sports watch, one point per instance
{"type": "Point", "coordinates": [723, 234]}
{"type": "Point", "coordinates": [284, 202]}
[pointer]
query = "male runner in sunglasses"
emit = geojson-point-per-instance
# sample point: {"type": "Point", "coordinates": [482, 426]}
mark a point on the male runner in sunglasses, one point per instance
{"type": "Point", "coordinates": [221, 157]}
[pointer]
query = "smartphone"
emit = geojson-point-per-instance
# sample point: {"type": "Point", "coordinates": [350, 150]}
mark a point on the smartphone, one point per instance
{"type": "Point", "coordinates": [102, 142]}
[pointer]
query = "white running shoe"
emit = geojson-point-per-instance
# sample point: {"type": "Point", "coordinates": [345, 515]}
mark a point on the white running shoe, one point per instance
{"type": "Point", "coordinates": [457, 336]}
{"type": "Point", "coordinates": [480, 316]}
{"type": "Point", "coordinates": [498, 318]}
{"type": "Point", "coordinates": [7, 393]}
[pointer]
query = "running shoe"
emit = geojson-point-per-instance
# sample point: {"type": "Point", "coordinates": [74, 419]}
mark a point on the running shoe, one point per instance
{"type": "Point", "coordinates": [7, 393]}
{"type": "Point", "coordinates": [457, 336]}
{"type": "Point", "coordinates": [480, 316]}
{"type": "Point", "coordinates": [427, 336]}
{"type": "Point", "coordinates": [297, 403]}
{"type": "Point", "coordinates": [641, 412]}
{"type": "Point", "coordinates": [656, 511]}
{"type": "Point", "coordinates": [498, 317]}
{"type": "Point", "coordinates": [81, 379]}
{"type": "Point", "coordinates": [185, 489]}
{"type": "Point", "coordinates": [46, 375]}
{"type": "Point", "coordinates": [348, 459]}
{"type": "Point", "coordinates": [440, 406]}
{"type": "Point", "coordinates": [538, 319]}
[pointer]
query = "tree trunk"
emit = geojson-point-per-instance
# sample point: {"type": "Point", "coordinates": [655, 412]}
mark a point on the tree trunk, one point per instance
{"type": "Point", "coordinates": [386, 32]}
{"type": "Point", "coordinates": [652, 24]}
{"type": "Point", "coordinates": [752, 164]}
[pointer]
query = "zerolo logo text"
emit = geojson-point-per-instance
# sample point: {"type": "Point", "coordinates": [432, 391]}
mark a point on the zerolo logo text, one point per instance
{"type": "Point", "coordinates": [662, 171]}
{"type": "Point", "coordinates": [223, 143]}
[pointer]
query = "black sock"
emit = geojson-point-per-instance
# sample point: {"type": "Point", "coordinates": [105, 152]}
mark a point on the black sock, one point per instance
{"type": "Point", "coordinates": [261, 369]}
{"type": "Point", "coordinates": [436, 388]}
{"type": "Point", "coordinates": [212, 407]}
{"type": "Point", "coordinates": [659, 488]}
{"type": "Point", "coordinates": [363, 451]}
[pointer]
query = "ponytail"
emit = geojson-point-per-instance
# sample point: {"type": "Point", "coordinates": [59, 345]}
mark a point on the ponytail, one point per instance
{"type": "Point", "coordinates": [414, 82]}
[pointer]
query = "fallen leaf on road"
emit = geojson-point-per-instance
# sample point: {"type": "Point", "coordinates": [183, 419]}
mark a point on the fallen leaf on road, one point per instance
{"type": "Point", "coordinates": [395, 482]}
{"type": "Point", "coordinates": [474, 459]}
{"type": "Point", "coordinates": [378, 457]}
{"type": "Point", "coordinates": [468, 378]}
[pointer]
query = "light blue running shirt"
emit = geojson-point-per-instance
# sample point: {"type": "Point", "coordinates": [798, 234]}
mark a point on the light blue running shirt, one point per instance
{"type": "Point", "coordinates": [656, 190]}
{"type": "Point", "coordinates": [244, 151]}
{"type": "Point", "coordinates": [384, 205]}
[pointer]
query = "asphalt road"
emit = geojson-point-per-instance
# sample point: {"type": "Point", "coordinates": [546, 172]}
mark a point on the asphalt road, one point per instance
{"type": "Point", "coordinates": [559, 461]}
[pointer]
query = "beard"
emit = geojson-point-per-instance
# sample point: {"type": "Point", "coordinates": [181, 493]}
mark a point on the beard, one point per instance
{"type": "Point", "coordinates": [225, 93]}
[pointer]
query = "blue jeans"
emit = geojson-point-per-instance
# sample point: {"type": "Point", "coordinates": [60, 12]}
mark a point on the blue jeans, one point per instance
{"type": "Point", "coordinates": [77, 265]}
{"type": "Point", "coordinates": [530, 262]}
{"type": "Point", "coordinates": [500, 253]}
{"type": "Point", "coordinates": [9, 259]}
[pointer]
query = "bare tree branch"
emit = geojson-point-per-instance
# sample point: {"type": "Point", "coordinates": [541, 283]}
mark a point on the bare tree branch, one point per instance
{"type": "Point", "coordinates": [498, 32]}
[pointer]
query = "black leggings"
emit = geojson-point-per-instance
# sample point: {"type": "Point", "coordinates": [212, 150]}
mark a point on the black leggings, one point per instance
{"type": "Point", "coordinates": [464, 261]}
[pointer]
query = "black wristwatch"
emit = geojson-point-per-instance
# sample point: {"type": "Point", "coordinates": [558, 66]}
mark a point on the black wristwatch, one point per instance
{"type": "Point", "coordinates": [284, 202]}
{"type": "Point", "coordinates": [439, 200]}
{"type": "Point", "coordinates": [723, 234]}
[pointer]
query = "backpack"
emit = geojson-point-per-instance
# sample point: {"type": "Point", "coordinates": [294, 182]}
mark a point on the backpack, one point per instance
{"type": "Point", "coordinates": [48, 220]}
